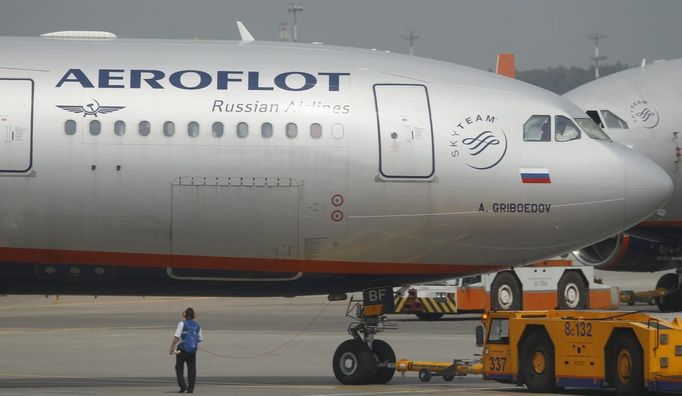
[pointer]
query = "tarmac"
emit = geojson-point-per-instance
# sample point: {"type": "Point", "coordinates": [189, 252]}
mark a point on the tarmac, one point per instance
{"type": "Point", "coordinates": [253, 346]}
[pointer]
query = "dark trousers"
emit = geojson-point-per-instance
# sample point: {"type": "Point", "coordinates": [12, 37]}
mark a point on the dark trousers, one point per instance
{"type": "Point", "coordinates": [191, 360]}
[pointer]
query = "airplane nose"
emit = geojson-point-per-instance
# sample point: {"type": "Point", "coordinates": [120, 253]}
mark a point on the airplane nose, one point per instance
{"type": "Point", "coordinates": [647, 186]}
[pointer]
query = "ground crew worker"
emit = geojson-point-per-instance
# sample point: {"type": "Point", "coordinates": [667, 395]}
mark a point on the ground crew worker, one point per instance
{"type": "Point", "coordinates": [185, 345]}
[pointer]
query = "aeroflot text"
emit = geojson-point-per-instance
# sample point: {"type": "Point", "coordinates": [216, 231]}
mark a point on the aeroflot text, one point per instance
{"type": "Point", "coordinates": [197, 79]}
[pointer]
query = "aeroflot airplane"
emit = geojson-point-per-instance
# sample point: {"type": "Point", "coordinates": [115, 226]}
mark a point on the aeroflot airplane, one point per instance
{"type": "Point", "coordinates": [151, 167]}
{"type": "Point", "coordinates": [247, 168]}
{"type": "Point", "coordinates": [640, 108]}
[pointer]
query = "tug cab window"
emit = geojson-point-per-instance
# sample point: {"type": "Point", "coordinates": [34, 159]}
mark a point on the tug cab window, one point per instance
{"type": "Point", "coordinates": [537, 129]}
{"type": "Point", "coordinates": [499, 331]}
{"type": "Point", "coordinates": [613, 121]}
{"type": "Point", "coordinates": [565, 129]}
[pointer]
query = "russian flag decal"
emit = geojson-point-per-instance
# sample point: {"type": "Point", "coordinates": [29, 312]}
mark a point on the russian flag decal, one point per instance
{"type": "Point", "coordinates": [535, 175]}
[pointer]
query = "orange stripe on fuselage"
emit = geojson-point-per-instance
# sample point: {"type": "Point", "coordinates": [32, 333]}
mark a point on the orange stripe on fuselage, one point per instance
{"type": "Point", "coordinates": [660, 224]}
{"type": "Point", "coordinates": [51, 256]}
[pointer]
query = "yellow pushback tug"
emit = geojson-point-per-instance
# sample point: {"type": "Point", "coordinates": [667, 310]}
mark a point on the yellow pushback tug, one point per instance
{"type": "Point", "coordinates": [546, 350]}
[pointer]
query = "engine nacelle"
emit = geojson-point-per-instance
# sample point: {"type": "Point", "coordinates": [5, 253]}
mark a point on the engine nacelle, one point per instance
{"type": "Point", "coordinates": [625, 252]}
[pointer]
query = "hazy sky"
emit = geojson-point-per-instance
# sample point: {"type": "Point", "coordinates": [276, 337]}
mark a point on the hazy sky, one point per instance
{"type": "Point", "coordinates": [541, 33]}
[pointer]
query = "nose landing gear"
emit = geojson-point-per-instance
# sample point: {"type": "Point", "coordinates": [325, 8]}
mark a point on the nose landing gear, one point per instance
{"type": "Point", "coordinates": [363, 359]}
{"type": "Point", "coordinates": [671, 298]}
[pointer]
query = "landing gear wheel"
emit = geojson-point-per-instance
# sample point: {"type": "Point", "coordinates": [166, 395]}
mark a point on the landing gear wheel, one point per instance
{"type": "Point", "coordinates": [573, 294]}
{"type": "Point", "coordinates": [384, 353]}
{"type": "Point", "coordinates": [448, 378]}
{"type": "Point", "coordinates": [537, 362]}
{"type": "Point", "coordinates": [506, 293]}
{"type": "Point", "coordinates": [354, 363]}
{"type": "Point", "coordinates": [424, 375]}
{"type": "Point", "coordinates": [429, 316]}
{"type": "Point", "coordinates": [668, 282]}
{"type": "Point", "coordinates": [627, 373]}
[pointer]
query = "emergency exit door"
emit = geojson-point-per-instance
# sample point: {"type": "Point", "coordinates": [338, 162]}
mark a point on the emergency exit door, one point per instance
{"type": "Point", "coordinates": [405, 131]}
{"type": "Point", "coordinates": [16, 125]}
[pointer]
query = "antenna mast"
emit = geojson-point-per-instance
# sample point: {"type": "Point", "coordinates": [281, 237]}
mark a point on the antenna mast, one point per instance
{"type": "Point", "coordinates": [597, 57]}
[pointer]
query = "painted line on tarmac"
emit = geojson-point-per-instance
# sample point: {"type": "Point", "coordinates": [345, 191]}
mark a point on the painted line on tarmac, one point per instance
{"type": "Point", "coordinates": [268, 386]}
{"type": "Point", "coordinates": [101, 303]}
{"type": "Point", "coordinates": [17, 375]}
{"type": "Point", "coordinates": [18, 330]}
{"type": "Point", "coordinates": [448, 389]}
{"type": "Point", "coordinates": [394, 392]}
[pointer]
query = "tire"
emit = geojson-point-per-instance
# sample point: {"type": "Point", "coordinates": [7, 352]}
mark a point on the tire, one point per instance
{"type": "Point", "coordinates": [354, 363]}
{"type": "Point", "coordinates": [505, 293]}
{"type": "Point", "coordinates": [424, 375]}
{"type": "Point", "coordinates": [384, 353]}
{"type": "Point", "coordinates": [572, 292]}
{"type": "Point", "coordinates": [537, 362]}
{"type": "Point", "coordinates": [667, 282]}
{"type": "Point", "coordinates": [627, 373]}
{"type": "Point", "coordinates": [428, 316]}
{"type": "Point", "coordinates": [448, 378]}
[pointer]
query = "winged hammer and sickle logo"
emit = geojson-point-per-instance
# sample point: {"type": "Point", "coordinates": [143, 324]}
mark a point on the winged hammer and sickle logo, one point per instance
{"type": "Point", "coordinates": [93, 109]}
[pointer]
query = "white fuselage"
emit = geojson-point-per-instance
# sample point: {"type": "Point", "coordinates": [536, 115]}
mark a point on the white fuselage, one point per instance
{"type": "Point", "coordinates": [399, 167]}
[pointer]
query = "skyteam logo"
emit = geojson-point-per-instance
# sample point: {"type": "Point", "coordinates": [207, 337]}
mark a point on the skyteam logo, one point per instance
{"type": "Point", "coordinates": [644, 114]}
{"type": "Point", "coordinates": [93, 108]}
{"type": "Point", "coordinates": [480, 142]}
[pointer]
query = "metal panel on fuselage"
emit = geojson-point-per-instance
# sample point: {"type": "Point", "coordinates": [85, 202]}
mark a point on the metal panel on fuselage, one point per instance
{"type": "Point", "coordinates": [235, 217]}
{"type": "Point", "coordinates": [16, 124]}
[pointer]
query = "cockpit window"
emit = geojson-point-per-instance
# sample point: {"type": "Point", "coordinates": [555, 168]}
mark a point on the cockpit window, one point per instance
{"type": "Point", "coordinates": [537, 129]}
{"type": "Point", "coordinates": [613, 121]}
{"type": "Point", "coordinates": [565, 129]}
{"type": "Point", "coordinates": [594, 115]}
{"type": "Point", "coordinates": [592, 129]}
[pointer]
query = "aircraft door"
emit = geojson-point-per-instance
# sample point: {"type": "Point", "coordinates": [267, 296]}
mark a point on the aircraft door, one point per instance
{"type": "Point", "coordinates": [16, 125]}
{"type": "Point", "coordinates": [405, 131]}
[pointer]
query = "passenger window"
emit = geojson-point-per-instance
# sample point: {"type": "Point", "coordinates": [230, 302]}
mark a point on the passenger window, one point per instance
{"type": "Point", "coordinates": [594, 115]}
{"type": "Point", "coordinates": [613, 121]}
{"type": "Point", "coordinates": [315, 131]}
{"type": "Point", "coordinates": [499, 331]}
{"type": "Point", "coordinates": [537, 129]}
{"type": "Point", "coordinates": [169, 128]}
{"type": "Point", "coordinates": [70, 127]}
{"type": "Point", "coordinates": [242, 129]}
{"type": "Point", "coordinates": [217, 129]}
{"type": "Point", "coordinates": [291, 130]}
{"type": "Point", "coordinates": [193, 129]}
{"type": "Point", "coordinates": [266, 130]}
{"type": "Point", "coordinates": [119, 128]}
{"type": "Point", "coordinates": [565, 129]}
{"type": "Point", "coordinates": [95, 127]}
{"type": "Point", "coordinates": [144, 128]}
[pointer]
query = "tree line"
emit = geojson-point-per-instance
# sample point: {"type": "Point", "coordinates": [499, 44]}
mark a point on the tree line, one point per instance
{"type": "Point", "coordinates": [562, 79]}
